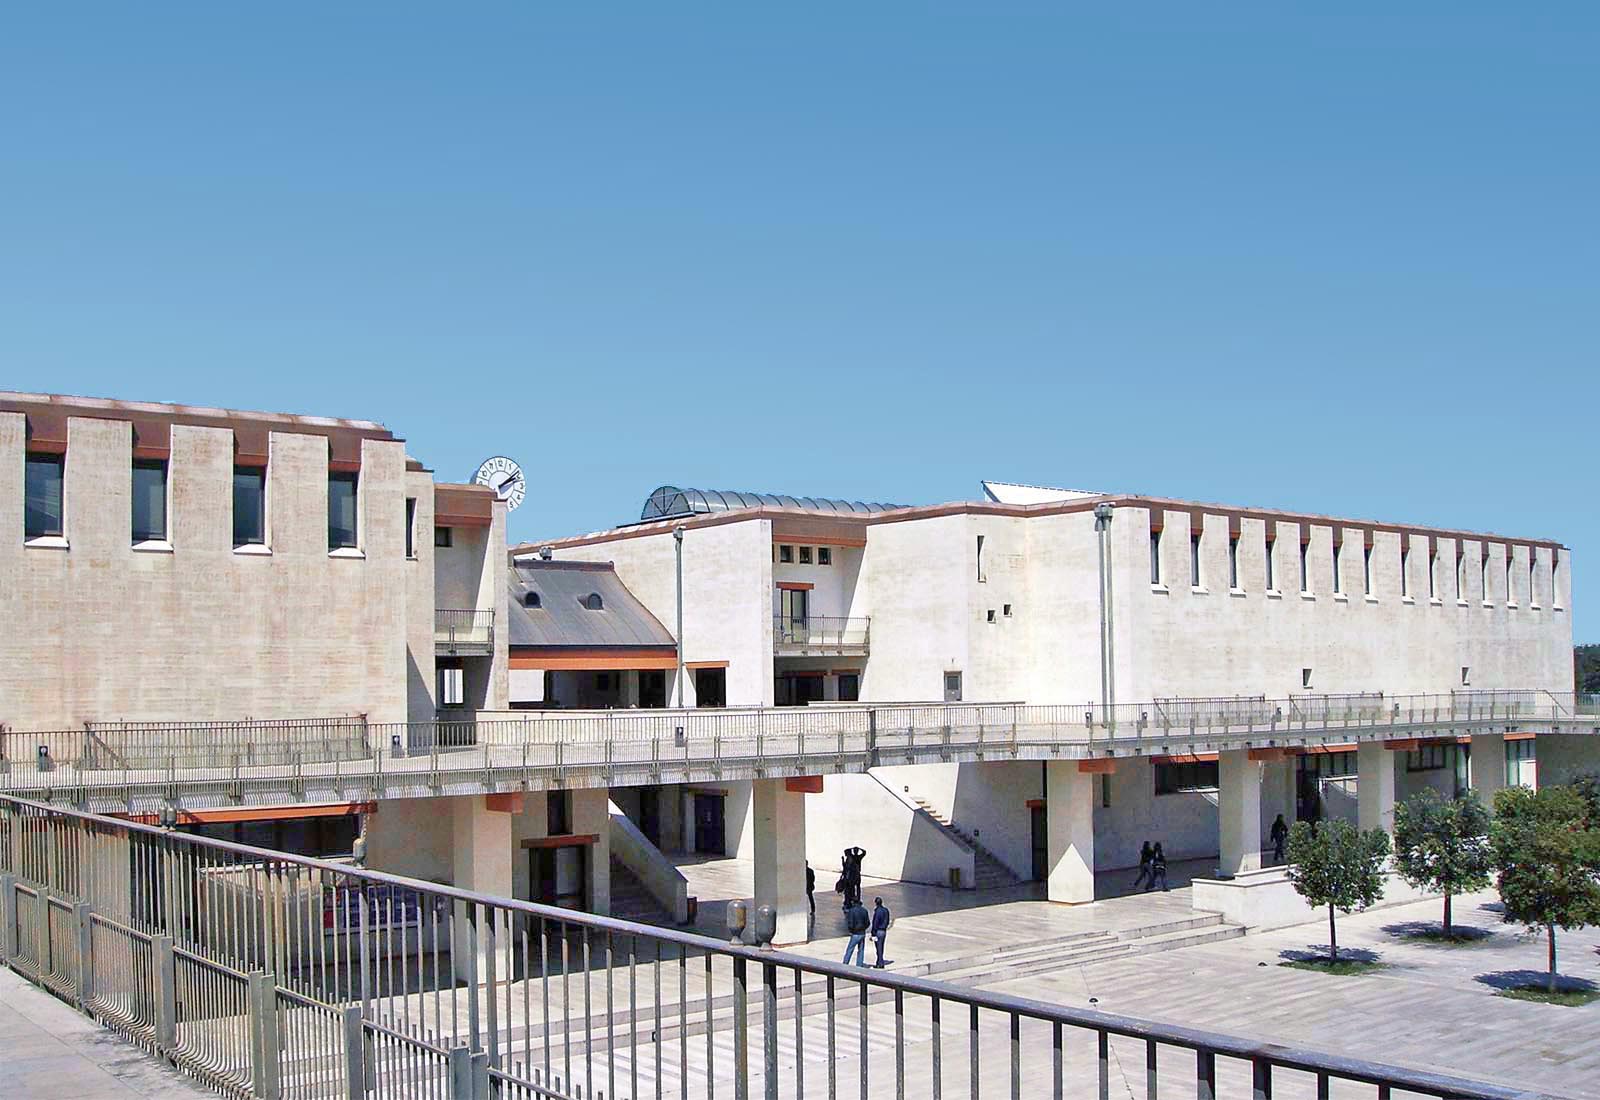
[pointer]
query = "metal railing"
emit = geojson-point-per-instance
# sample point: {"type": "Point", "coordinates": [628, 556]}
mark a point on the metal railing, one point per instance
{"type": "Point", "coordinates": [274, 976]}
{"type": "Point", "coordinates": [827, 634]}
{"type": "Point", "coordinates": [463, 631]}
{"type": "Point", "coordinates": [515, 750]}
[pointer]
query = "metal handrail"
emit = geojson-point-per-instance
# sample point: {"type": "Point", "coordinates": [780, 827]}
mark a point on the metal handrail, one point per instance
{"type": "Point", "coordinates": [239, 922]}
{"type": "Point", "coordinates": [463, 626]}
{"type": "Point", "coordinates": [833, 632]}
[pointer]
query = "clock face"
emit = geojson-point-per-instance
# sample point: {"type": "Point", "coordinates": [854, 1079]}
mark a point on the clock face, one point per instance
{"type": "Point", "coordinates": [503, 476]}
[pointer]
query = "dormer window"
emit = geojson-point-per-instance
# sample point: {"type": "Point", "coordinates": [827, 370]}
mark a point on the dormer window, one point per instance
{"type": "Point", "coordinates": [593, 602]}
{"type": "Point", "coordinates": [530, 599]}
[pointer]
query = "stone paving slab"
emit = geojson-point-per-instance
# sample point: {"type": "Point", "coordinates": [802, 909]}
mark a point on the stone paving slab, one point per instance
{"type": "Point", "coordinates": [49, 1051]}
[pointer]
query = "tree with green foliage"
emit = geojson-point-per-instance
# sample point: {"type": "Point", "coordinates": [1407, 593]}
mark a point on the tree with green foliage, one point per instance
{"type": "Point", "coordinates": [1586, 669]}
{"type": "Point", "coordinates": [1442, 846]}
{"type": "Point", "coordinates": [1337, 865]}
{"type": "Point", "coordinates": [1547, 850]}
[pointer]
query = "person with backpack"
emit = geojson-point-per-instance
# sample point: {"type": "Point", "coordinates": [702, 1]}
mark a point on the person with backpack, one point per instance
{"type": "Point", "coordinates": [1158, 869]}
{"type": "Point", "coordinates": [1145, 855]}
{"type": "Point", "coordinates": [857, 922]}
{"type": "Point", "coordinates": [881, 920]}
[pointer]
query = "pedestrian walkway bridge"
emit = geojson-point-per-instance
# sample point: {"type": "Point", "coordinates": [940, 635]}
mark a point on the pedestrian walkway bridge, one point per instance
{"type": "Point", "coordinates": [139, 767]}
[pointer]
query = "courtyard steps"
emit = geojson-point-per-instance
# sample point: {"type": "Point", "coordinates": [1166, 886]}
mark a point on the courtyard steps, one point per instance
{"type": "Point", "coordinates": [1077, 949]}
{"type": "Point", "coordinates": [988, 872]}
{"type": "Point", "coordinates": [630, 900]}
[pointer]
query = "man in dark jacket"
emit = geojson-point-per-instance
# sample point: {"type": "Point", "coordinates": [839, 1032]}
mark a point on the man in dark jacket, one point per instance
{"type": "Point", "coordinates": [1280, 836]}
{"type": "Point", "coordinates": [880, 927]}
{"type": "Point", "coordinates": [856, 922]}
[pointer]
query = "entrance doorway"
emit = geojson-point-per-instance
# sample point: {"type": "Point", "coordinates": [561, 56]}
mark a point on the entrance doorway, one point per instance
{"type": "Point", "coordinates": [652, 687]}
{"type": "Point", "coordinates": [1041, 843]}
{"type": "Point", "coordinates": [650, 814]}
{"type": "Point", "coordinates": [849, 687]}
{"type": "Point", "coordinates": [710, 687]}
{"type": "Point", "coordinates": [790, 690]}
{"type": "Point", "coordinates": [710, 828]}
{"type": "Point", "coordinates": [560, 875]}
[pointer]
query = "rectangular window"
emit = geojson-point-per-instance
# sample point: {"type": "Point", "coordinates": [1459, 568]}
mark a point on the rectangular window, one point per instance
{"type": "Point", "coordinates": [558, 815]}
{"type": "Point", "coordinates": [1305, 573]}
{"type": "Point", "coordinates": [981, 575]}
{"type": "Point", "coordinates": [786, 555]}
{"type": "Point", "coordinates": [1233, 562]}
{"type": "Point", "coordinates": [1533, 577]}
{"type": "Point", "coordinates": [952, 687]}
{"type": "Point", "coordinates": [1433, 567]}
{"type": "Point", "coordinates": [1429, 758]}
{"type": "Point", "coordinates": [341, 510]}
{"type": "Point", "coordinates": [149, 500]}
{"type": "Point", "coordinates": [1330, 765]}
{"type": "Point", "coordinates": [449, 686]}
{"type": "Point", "coordinates": [1466, 675]}
{"type": "Point", "coordinates": [442, 536]}
{"type": "Point", "coordinates": [1461, 576]}
{"type": "Point", "coordinates": [1366, 570]}
{"type": "Point", "coordinates": [249, 506]}
{"type": "Point", "coordinates": [1483, 575]}
{"type": "Point", "coordinates": [1520, 761]}
{"type": "Point", "coordinates": [1555, 578]}
{"type": "Point", "coordinates": [411, 527]}
{"type": "Point", "coordinates": [1338, 550]}
{"type": "Point", "coordinates": [1405, 568]}
{"type": "Point", "coordinates": [1006, 610]}
{"type": "Point", "coordinates": [824, 555]}
{"type": "Point", "coordinates": [1511, 596]}
{"type": "Point", "coordinates": [991, 615]}
{"type": "Point", "coordinates": [42, 511]}
{"type": "Point", "coordinates": [1105, 791]}
{"type": "Point", "coordinates": [1305, 677]}
{"type": "Point", "coordinates": [1155, 557]}
{"type": "Point", "coordinates": [1194, 559]}
{"type": "Point", "coordinates": [805, 555]}
{"type": "Point", "coordinates": [1272, 584]}
{"type": "Point", "coordinates": [1175, 778]}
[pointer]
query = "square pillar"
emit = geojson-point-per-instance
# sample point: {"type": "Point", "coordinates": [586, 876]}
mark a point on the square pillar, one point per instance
{"type": "Point", "coordinates": [1488, 765]}
{"type": "Point", "coordinates": [1239, 812]}
{"type": "Point", "coordinates": [591, 816]}
{"type": "Point", "coordinates": [481, 849]}
{"type": "Point", "coordinates": [1374, 787]}
{"type": "Point", "coordinates": [780, 850]}
{"type": "Point", "coordinates": [1069, 826]}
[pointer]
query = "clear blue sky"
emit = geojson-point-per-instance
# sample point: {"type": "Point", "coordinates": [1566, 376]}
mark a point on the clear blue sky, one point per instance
{"type": "Point", "coordinates": [1344, 260]}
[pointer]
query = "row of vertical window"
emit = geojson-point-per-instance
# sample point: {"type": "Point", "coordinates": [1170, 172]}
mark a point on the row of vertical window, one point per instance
{"type": "Point", "coordinates": [44, 511]}
{"type": "Point", "coordinates": [1195, 579]}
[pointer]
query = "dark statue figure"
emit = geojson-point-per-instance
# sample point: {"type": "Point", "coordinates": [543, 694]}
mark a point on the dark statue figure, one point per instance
{"type": "Point", "coordinates": [849, 883]}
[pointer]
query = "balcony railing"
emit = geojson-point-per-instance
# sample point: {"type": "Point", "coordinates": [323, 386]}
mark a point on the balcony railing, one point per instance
{"type": "Point", "coordinates": [269, 975]}
{"type": "Point", "coordinates": [463, 631]}
{"type": "Point", "coordinates": [823, 635]}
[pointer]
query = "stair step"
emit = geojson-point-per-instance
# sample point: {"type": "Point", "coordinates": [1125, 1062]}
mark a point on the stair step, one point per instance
{"type": "Point", "coordinates": [1046, 962]}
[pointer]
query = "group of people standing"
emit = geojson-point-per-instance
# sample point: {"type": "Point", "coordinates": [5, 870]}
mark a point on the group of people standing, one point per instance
{"type": "Point", "coordinates": [857, 920]}
{"type": "Point", "coordinates": [1152, 868]}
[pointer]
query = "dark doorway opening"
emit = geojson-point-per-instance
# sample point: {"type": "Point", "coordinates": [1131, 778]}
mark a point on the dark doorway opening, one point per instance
{"type": "Point", "coordinates": [560, 875]}
{"type": "Point", "coordinates": [650, 814]}
{"type": "Point", "coordinates": [710, 828]}
{"type": "Point", "coordinates": [710, 687]}
{"type": "Point", "coordinates": [849, 687]}
{"type": "Point", "coordinates": [797, 691]}
{"type": "Point", "coordinates": [652, 687]}
{"type": "Point", "coordinates": [1041, 843]}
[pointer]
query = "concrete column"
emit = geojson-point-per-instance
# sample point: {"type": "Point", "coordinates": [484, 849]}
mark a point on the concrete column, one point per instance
{"type": "Point", "coordinates": [1239, 812]}
{"type": "Point", "coordinates": [1374, 787]}
{"type": "Point", "coordinates": [591, 814]}
{"type": "Point", "coordinates": [1488, 765]}
{"type": "Point", "coordinates": [481, 850]}
{"type": "Point", "coordinates": [1069, 802]}
{"type": "Point", "coordinates": [630, 688]}
{"type": "Point", "coordinates": [780, 850]}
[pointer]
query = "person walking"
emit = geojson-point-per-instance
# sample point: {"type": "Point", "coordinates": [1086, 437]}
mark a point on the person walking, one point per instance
{"type": "Point", "coordinates": [1280, 836]}
{"type": "Point", "coordinates": [811, 889]}
{"type": "Point", "coordinates": [856, 922]}
{"type": "Point", "coordinates": [1158, 868]}
{"type": "Point", "coordinates": [881, 920]}
{"type": "Point", "coordinates": [1145, 855]}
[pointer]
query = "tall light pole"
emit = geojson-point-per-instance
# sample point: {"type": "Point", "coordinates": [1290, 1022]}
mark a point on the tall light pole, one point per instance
{"type": "Point", "coordinates": [1108, 682]}
{"type": "Point", "coordinates": [677, 539]}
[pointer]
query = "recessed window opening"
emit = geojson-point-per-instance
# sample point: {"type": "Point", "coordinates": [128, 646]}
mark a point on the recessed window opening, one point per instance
{"type": "Point", "coordinates": [1338, 551]}
{"type": "Point", "coordinates": [1305, 677]}
{"type": "Point", "coordinates": [593, 602]}
{"type": "Point", "coordinates": [1483, 575]}
{"type": "Point", "coordinates": [341, 510]}
{"type": "Point", "coordinates": [149, 500]}
{"type": "Point", "coordinates": [981, 575]}
{"type": "Point", "coordinates": [1533, 576]}
{"type": "Point", "coordinates": [249, 506]}
{"type": "Point", "coordinates": [1180, 778]}
{"type": "Point", "coordinates": [1194, 558]}
{"type": "Point", "coordinates": [1466, 676]}
{"type": "Point", "coordinates": [531, 599]}
{"type": "Point", "coordinates": [805, 555]}
{"type": "Point", "coordinates": [1233, 562]}
{"type": "Point", "coordinates": [1510, 594]}
{"type": "Point", "coordinates": [1405, 569]}
{"type": "Point", "coordinates": [42, 495]}
{"type": "Point", "coordinates": [824, 555]}
{"type": "Point", "coordinates": [411, 527]}
{"type": "Point", "coordinates": [1461, 576]}
{"type": "Point", "coordinates": [1433, 568]}
{"type": "Point", "coordinates": [1006, 610]}
{"type": "Point", "coordinates": [786, 555]}
{"type": "Point", "coordinates": [1366, 570]}
{"type": "Point", "coordinates": [1272, 584]}
{"type": "Point", "coordinates": [1555, 578]}
{"type": "Point", "coordinates": [558, 813]}
{"type": "Point", "coordinates": [1305, 575]}
{"type": "Point", "coordinates": [449, 686]}
{"type": "Point", "coordinates": [443, 536]}
{"type": "Point", "coordinates": [1155, 556]}
{"type": "Point", "coordinates": [991, 614]}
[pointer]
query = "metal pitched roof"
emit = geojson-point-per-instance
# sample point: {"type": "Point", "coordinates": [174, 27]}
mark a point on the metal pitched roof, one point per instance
{"type": "Point", "coordinates": [561, 619]}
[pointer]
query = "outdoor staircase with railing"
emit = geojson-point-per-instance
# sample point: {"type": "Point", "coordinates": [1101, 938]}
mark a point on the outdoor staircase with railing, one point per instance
{"type": "Point", "coordinates": [989, 872]}
{"type": "Point", "coordinates": [631, 900]}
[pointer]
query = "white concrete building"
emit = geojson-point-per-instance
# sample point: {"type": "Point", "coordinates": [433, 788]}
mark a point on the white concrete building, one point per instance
{"type": "Point", "coordinates": [802, 601]}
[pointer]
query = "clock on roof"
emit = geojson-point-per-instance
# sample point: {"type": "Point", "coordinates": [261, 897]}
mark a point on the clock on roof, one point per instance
{"type": "Point", "coordinates": [503, 476]}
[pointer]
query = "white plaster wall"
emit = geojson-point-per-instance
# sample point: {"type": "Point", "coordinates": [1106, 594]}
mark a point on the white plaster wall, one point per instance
{"type": "Point", "coordinates": [917, 575]}
{"type": "Point", "coordinates": [99, 632]}
{"type": "Point", "coordinates": [857, 811]}
{"type": "Point", "coordinates": [1185, 823]}
{"type": "Point", "coordinates": [834, 587]}
{"type": "Point", "coordinates": [419, 570]}
{"type": "Point", "coordinates": [727, 597]}
{"type": "Point", "coordinates": [412, 837]}
{"type": "Point", "coordinates": [1566, 756]}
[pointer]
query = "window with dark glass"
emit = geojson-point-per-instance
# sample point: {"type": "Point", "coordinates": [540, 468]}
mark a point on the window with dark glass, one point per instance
{"type": "Point", "coordinates": [1233, 562]}
{"type": "Point", "coordinates": [249, 506]}
{"type": "Point", "coordinates": [1366, 570]}
{"type": "Point", "coordinates": [1194, 559]}
{"type": "Point", "coordinates": [441, 536]}
{"type": "Point", "coordinates": [341, 510]}
{"type": "Point", "coordinates": [805, 555]}
{"type": "Point", "coordinates": [42, 496]}
{"type": "Point", "coordinates": [824, 555]}
{"type": "Point", "coordinates": [149, 500]}
{"type": "Point", "coordinates": [1155, 557]}
{"type": "Point", "coordinates": [1405, 568]}
{"type": "Point", "coordinates": [1305, 575]}
{"type": "Point", "coordinates": [1175, 778]}
{"type": "Point", "coordinates": [411, 527]}
{"type": "Point", "coordinates": [1338, 583]}
{"type": "Point", "coordinates": [1272, 544]}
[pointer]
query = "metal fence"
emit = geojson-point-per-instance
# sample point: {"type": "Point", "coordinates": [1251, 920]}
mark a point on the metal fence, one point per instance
{"type": "Point", "coordinates": [820, 634]}
{"type": "Point", "coordinates": [275, 976]}
{"type": "Point", "coordinates": [464, 630]}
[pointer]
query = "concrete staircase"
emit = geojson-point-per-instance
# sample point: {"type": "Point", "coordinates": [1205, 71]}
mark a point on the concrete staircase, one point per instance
{"type": "Point", "coordinates": [631, 901]}
{"type": "Point", "coordinates": [988, 872]}
{"type": "Point", "coordinates": [1021, 960]}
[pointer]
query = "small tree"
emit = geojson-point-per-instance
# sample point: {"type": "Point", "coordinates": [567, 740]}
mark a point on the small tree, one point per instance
{"type": "Point", "coordinates": [1443, 846]}
{"type": "Point", "coordinates": [1339, 866]}
{"type": "Point", "coordinates": [1547, 850]}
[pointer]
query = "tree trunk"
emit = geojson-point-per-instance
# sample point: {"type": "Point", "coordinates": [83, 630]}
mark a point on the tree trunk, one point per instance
{"type": "Point", "coordinates": [1333, 938]}
{"type": "Point", "coordinates": [1447, 914]}
{"type": "Point", "coordinates": [1550, 984]}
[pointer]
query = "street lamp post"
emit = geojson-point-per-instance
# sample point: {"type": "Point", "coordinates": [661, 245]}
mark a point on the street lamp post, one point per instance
{"type": "Point", "coordinates": [677, 539]}
{"type": "Point", "coordinates": [1108, 682]}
